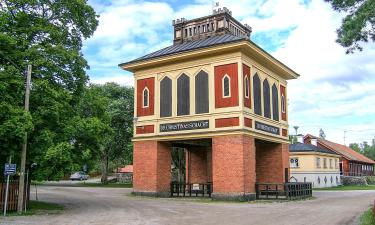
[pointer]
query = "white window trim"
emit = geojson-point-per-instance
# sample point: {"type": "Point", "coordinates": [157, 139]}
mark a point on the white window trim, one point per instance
{"type": "Point", "coordinates": [283, 104]}
{"type": "Point", "coordinates": [143, 98]}
{"type": "Point", "coordinates": [222, 83]}
{"type": "Point", "coordinates": [294, 165]}
{"type": "Point", "coordinates": [247, 83]}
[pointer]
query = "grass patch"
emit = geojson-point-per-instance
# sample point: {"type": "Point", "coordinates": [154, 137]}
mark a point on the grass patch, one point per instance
{"type": "Point", "coordinates": [109, 185]}
{"type": "Point", "coordinates": [346, 188]}
{"type": "Point", "coordinates": [38, 208]}
{"type": "Point", "coordinates": [367, 218]}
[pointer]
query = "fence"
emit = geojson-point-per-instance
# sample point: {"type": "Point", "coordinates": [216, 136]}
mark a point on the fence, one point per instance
{"type": "Point", "coordinates": [12, 195]}
{"type": "Point", "coordinates": [295, 190]}
{"type": "Point", "coordinates": [190, 190]}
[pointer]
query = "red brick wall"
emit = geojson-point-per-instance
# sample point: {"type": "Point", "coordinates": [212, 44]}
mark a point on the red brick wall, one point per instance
{"type": "Point", "coordinates": [232, 71]}
{"type": "Point", "coordinates": [141, 84]}
{"type": "Point", "coordinates": [246, 71]}
{"type": "Point", "coordinates": [271, 161]}
{"type": "Point", "coordinates": [147, 129]}
{"type": "Point", "coordinates": [283, 93]}
{"type": "Point", "coordinates": [197, 166]}
{"type": "Point", "coordinates": [152, 166]}
{"type": "Point", "coordinates": [227, 122]}
{"type": "Point", "coordinates": [233, 164]}
{"type": "Point", "coordinates": [248, 122]}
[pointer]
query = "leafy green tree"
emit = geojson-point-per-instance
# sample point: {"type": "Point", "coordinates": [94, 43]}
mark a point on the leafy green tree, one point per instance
{"type": "Point", "coordinates": [358, 25]}
{"type": "Point", "coordinates": [48, 35]}
{"type": "Point", "coordinates": [105, 126]}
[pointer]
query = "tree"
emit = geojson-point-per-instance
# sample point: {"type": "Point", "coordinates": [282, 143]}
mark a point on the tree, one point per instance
{"type": "Point", "coordinates": [365, 148]}
{"type": "Point", "coordinates": [358, 25]}
{"type": "Point", "coordinates": [105, 125]}
{"type": "Point", "coordinates": [47, 34]}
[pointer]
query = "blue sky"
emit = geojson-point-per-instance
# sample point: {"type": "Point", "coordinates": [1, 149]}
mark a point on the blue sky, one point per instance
{"type": "Point", "coordinates": [335, 91]}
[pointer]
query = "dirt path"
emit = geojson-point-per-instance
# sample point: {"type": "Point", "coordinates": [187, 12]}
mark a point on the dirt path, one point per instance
{"type": "Point", "coordinates": [101, 206]}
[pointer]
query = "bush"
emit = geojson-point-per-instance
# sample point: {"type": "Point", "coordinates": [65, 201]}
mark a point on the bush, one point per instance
{"type": "Point", "coordinates": [370, 180]}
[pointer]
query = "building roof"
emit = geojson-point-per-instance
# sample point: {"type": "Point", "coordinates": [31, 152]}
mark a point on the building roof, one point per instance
{"type": "Point", "coordinates": [189, 46]}
{"type": "Point", "coordinates": [301, 147]}
{"type": "Point", "coordinates": [126, 169]}
{"type": "Point", "coordinates": [343, 150]}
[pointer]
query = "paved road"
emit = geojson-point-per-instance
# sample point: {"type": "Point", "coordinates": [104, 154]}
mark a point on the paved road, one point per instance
{"type": "Point", "coordinates": [101, 206]}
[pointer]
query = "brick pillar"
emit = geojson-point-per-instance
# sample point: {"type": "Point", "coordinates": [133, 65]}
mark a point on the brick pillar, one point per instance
{"type": "Point", "coordinates": [196, 165]}
{"type": "Point", "coordinates": [152, 168]}
{"type": "Point", "coordinates": [233, 167]}
{"type": "Point", "coordinates": [271, 161]}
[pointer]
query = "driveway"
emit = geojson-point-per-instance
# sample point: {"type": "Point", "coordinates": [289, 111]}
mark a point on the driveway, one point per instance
{"type": "Point", "coordinates": [101, 206]}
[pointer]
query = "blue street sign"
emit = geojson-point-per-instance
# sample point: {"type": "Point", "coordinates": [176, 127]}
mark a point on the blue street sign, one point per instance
{"type": "Point", "coordinates": [10, 169]}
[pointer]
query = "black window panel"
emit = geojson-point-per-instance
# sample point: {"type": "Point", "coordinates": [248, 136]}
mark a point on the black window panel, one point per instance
{"type": "Point", "coordinates": [145, 98]}
{"type": "Point", "coordinates": [275, 103]}
{"type": "Point", "coordinates": [226, 86]}
{"type": "Point", "coordinates": [257, 95]}
{"type": "Point", "coordinates": [183, 95]}
{"type": "Point", "coordinates": [166, 97]}
{"type": "Point", "coordinates": [201, 93]}
{"type": "Point", "coordinates": [266, 99]}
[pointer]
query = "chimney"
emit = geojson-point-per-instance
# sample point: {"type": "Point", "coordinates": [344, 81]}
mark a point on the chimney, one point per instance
{"type": "Point", "coordinates": [300, 138]}
{"type": "Point", "coordinates": [314, 141]}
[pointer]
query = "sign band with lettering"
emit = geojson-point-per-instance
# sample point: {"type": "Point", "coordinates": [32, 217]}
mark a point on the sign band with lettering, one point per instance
{"type": "Point", "coordinates": [193, 125]}
{"type": "Point", "coordinates": [267, 128]}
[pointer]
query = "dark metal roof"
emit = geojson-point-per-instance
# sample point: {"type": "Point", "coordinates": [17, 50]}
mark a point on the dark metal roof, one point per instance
{"type": "Point", "coordinates": [189, 46]}
{"type": "Point", "coordinates": [301, 147]}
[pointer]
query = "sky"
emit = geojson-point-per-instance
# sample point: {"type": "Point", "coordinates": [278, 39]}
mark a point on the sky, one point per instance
{"type": "Point", "coordinates": [335, 92]}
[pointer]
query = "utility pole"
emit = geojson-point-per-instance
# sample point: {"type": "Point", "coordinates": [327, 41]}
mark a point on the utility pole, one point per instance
{"type": "Point", "coordinates": [345, 136]}
{"type": "Point", "coordinates": [21, 189]}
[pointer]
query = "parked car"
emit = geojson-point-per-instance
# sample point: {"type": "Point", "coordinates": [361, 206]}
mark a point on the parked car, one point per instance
{"type": "Point", "coordinates": [79, 176]}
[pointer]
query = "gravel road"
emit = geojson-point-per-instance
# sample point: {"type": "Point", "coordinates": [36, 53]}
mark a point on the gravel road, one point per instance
{"type": "Point", "coordinates": [102, 206]}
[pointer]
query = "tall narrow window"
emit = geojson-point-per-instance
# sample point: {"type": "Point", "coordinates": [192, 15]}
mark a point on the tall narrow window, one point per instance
{"type": "Point", "coordinates": [166, 97]}
{"type": "Point", "coordinates": [183, 95]}
{"type": "Point", "coordinates": [201, 93]}
{"type": "Point", "coordinates": [145, 98]}
{"type": "Point", "coordinates": [275, 103]}
{"type": "Point", "coordinates": [282, 103]}
{"type": "Point", "coordinates": [257, 95]}
{"type": "Point", "coordinates": [266, 99]}
{"type": "Point", "coordinates": [226, 86]}
{"type": "Point", "coordinates": [247, 87]}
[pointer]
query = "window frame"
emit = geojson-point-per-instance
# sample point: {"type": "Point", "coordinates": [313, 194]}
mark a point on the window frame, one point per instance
{"type": "Point", "coordinates": [318, 163]}
{"type": "Point", "coordinates": [223, 86]}
{"type": "Point", "coordinates": [143, 98]}
{"type": "Point", "coordinates": [296, 162]}
{"type": "Point", "coordinates": [247, 86]}
{"type": "Point", "coordinates": [283, 107]}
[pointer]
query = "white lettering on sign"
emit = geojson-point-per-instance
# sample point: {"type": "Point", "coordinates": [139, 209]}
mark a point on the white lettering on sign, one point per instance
{"type": "Point", "coordinates": [267, 128]}
{"type": "Point", "coordinates": [203, 124]}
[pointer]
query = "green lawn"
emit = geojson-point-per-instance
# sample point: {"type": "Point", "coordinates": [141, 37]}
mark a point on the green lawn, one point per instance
{"type": "Point", "coordinates": [367, 218]}
{"type": "Point", "coordinates": [346, 188]}
{"type": "Point", "coordinates": [37, 207]}
{"type": "Point", "coordinates": [109, 185]}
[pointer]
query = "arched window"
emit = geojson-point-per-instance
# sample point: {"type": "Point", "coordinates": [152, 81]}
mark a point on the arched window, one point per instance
{"type": "Point", "coordinates": [166, 97]}
{"type": "Point", "coordinates": [266, 99]}
{"type": "Point", "coordinates": [145, 97]}
{"type": "Point", "coordinates": [282, 104]}
{"type": "Point", "coordinates": [183, 95]}
{"type": "Point", "coordinates": [201, 93]}
{"type": "Point", "coordinates": [275, 103]}
{"type": "Point", "coordinates": [226, 86]}
{"type": "Point", "coordinates": [247, 87]}
{"type": "Point", "coordinates": [257, 95]}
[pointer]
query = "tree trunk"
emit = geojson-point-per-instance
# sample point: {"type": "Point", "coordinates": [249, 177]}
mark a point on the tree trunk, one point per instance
{"type": "Point", "coordinates": [104, 165]}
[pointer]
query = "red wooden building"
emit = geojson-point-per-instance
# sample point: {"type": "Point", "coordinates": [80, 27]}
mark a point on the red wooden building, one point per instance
{"type": "Point", "coordinates": [352, 163]}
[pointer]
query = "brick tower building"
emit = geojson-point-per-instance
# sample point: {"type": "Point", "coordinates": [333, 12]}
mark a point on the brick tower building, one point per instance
{"type": "Point", "coordinates": [218, 96]}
